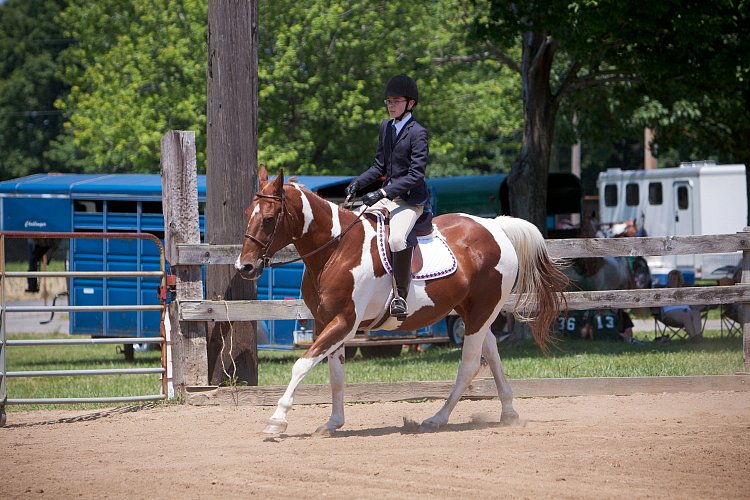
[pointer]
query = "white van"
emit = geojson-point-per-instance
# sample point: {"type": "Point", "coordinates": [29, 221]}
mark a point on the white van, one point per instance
{"type": "Point", "coordinates": [696, 198]}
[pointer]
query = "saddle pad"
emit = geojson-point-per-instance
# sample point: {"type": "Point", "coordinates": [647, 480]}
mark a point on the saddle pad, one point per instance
{"type": "Point", "coordinates": [438, 258]}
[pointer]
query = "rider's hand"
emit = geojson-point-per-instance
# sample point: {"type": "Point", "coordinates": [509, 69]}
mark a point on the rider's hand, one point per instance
{"type": "Point", "coordinates": [352, 188]}
{"type": "Point", "coordinates": [372, 198]}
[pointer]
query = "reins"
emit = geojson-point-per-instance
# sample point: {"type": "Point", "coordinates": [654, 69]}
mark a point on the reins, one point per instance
{"type": "Point", "coordinates": [267, 260]}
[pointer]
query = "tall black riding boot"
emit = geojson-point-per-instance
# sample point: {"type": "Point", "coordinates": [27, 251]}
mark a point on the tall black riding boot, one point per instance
{"type": "Point", "coordinates": [402, 277]}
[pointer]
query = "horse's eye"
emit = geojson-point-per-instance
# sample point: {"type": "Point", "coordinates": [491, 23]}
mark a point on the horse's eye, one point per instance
{"type": "Point", "coordinates": [268, 222]}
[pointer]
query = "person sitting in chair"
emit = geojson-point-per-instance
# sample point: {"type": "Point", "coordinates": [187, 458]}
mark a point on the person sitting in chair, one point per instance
{"type": "Point", "coordinates": [681, 316]}
{"type": "Point", "coordinates": [401, 158]}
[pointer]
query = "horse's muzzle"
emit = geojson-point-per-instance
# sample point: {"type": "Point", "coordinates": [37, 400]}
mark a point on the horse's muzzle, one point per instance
{"type": "Point", "coordinates": [250, 271]}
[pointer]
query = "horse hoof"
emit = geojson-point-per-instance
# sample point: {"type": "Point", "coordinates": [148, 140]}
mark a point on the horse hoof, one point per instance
{"type": "Point", "coordinates": [509, 418]}
{"type": "Point", "coordinates": [323, 431]}
{"type": "Point", "coordinates": [275, 427]}
{"type": "Point", "coordinates": [428, 426]}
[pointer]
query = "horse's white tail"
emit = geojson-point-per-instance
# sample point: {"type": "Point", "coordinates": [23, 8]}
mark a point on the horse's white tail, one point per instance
{"type": "Point", "coordinates": [540, 282]}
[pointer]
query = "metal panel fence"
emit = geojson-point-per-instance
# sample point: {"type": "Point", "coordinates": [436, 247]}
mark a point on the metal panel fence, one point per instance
{"type": "Point", "coordinates": [165, 368]}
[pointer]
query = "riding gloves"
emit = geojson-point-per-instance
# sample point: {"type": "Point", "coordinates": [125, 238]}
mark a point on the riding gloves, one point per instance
{"type": "Point", "coordinates": [373, 197]}
{"type": "Point", "coordinates": [352, 188]}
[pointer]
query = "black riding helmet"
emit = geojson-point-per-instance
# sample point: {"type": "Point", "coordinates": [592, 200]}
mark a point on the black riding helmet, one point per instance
{"type": "Point", "coordinates": [402, 85]}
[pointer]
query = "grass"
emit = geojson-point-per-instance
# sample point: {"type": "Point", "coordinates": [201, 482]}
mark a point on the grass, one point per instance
{"type": "Point", "coordinates": [714, 356]}
{"type": "Point", "coordinates": [571, 358]}
{"type": "Point", "coordinates": [76, 357]}
{"type": "Point", "coordinates": [17, 267]}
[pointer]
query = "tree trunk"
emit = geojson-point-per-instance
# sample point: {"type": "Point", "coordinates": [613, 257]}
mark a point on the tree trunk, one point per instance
{"type": "Point", "coordinates": [231, 175]}
{"type": "Point", "coordinates": [528, 179]}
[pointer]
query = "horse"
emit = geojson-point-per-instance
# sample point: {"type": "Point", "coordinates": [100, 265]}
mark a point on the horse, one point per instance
{"type": "Point", "coordinates": [346, 287]}
{"type": "Point", "coordinates": [598, 273]}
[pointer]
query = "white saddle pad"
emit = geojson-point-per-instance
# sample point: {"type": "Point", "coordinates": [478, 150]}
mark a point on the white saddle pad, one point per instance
{"type": "Point", "coordinates": [437, 256]}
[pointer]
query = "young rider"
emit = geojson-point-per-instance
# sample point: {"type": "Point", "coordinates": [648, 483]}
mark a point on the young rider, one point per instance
{"type": "Point", "coordinates": [401, 158]}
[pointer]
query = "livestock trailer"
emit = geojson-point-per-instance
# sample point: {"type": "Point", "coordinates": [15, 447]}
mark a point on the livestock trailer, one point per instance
{"type": "Point", "coordinates": [128, 203]}
{"type": "Point", "coordinates": [696, 198]}
{"type": "Point", "coordinates": [98, 203]}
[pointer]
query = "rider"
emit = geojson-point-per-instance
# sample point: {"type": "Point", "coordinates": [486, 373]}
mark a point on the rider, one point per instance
{"type": "Point", "coordinates": [401, 158]}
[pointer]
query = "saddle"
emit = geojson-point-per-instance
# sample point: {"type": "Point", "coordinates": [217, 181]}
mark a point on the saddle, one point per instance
{"type": "Point", "coordinates": [432, 257]}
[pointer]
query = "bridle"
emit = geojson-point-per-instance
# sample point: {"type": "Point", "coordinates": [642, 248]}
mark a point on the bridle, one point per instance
{"type": "Point", "coordinates": [266, 259]}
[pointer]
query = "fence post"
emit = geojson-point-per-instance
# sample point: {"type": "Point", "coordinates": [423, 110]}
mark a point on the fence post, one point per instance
{"type": "Point", "coordinates": [745, 315]}
{"type": "Point", "coordinates": [179, 179]}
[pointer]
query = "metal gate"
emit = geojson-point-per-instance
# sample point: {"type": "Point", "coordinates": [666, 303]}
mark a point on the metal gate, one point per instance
{"type": "Point", "coordinates": [167, 390]}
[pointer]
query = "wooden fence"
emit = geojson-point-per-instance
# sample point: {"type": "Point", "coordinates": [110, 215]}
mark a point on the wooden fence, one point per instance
{"type": "Point", "coordinates": [188, 313]}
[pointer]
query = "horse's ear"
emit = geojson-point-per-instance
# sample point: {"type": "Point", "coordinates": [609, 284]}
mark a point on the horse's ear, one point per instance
{"type": "Point", "coordinates": [278, 182]}
{"type": "Point", "coordinates": [262, 175]}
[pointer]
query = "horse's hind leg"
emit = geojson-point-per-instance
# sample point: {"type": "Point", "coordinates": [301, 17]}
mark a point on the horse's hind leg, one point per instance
{"type": "Point", "coordinates": [492, 356]}
{"type": "Point", "coordinates": [336, 373]}
{"type": "Point", "coordinates": [467, 370]}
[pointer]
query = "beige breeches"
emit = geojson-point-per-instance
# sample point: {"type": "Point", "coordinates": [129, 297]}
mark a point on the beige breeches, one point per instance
{"type": "Point", "coordinates": [403, 218]}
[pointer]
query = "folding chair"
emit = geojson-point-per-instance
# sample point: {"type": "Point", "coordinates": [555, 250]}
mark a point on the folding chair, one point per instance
{"type": "Point", "coordinates": [730, 320]}
{"type": "Point", "coordinates": [730, 313]}
{"type": "Point", "coordinates": [666, 329]}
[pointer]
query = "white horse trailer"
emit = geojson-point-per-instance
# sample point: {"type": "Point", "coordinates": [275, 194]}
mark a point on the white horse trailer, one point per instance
{"type": "Point", "coordinates": [696, 198]}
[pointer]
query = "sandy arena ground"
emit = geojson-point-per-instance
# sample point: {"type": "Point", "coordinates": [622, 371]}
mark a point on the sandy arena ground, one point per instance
{"type": "Point", "coordinates": [657, 446]}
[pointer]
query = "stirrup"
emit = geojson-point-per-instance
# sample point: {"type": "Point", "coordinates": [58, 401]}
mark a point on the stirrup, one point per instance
{"type": "Point", "coordinates": [398, 308]}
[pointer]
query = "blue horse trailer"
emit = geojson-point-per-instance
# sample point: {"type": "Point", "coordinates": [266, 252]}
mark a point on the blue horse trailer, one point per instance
{"type": "Point", "coordinates": [97, 203]}
{"type": "Point", "coordinates": [131, 203]}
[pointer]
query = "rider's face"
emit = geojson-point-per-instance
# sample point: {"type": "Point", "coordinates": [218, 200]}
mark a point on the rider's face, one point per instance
{"type": "Point", "coordinates": [396, 105]}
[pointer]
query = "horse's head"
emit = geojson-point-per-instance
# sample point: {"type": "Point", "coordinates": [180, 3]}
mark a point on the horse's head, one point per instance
{"type": "Point", "coordinates": [266, 231]}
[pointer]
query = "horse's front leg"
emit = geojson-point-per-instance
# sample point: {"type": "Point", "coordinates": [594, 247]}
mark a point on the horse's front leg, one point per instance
{"type": "Point", "coordinates": [336, 362]}
{"type": "Point", "coordinates": [330, 339]}
{"type": "Point", "coordinates": [278, 421]}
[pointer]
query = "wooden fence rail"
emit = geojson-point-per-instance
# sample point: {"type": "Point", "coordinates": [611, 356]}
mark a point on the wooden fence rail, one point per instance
{"type": "Point", "coordinates": [192, 310]}
{"type": "Point", "coordinates": [189, 314]}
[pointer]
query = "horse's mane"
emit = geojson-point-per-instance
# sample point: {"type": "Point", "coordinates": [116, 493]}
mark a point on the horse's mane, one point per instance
{"type": "Point", "coordinates": [293, 182]}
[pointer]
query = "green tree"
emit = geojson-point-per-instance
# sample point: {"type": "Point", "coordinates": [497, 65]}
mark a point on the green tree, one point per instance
{"type": "Point", "coordinates": [574, 48]}
{"type": "Point", "coordinates": [30, 43]}
{"type": "Point", "coordinates": [136, 71]}
{"type": "Point", "coordinates": [322, 68]}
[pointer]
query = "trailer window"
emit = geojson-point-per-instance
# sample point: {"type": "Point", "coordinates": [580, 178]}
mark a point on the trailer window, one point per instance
{"type": "Point", "coordinates": [610, 195]}
{"type": "Point", "coordinates": [655, 196]}
{"type": "Point", "coordinates": [682, 198]}
{"type": "Point", "coordinates": [88, 206]}
{"type": "Point", "coordinates": [632, 194]}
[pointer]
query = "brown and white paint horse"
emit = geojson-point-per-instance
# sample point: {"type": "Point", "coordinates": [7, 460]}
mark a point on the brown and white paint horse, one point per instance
{"type": "Point", "coordinates": [346, 286]}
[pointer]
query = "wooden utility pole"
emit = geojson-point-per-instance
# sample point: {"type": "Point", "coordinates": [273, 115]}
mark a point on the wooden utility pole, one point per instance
{"type": "Point", "coordinates": [231, 174]}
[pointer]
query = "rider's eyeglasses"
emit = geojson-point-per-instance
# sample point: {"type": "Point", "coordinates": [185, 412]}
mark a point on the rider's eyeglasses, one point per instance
{"type": "Point", "coordinates": [388, 102]}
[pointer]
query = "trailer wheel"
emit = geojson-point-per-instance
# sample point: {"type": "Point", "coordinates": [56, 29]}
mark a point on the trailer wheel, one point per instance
{"type": "Point", "coordinates": [3, 417]}
{"type": "Point", "coordinates": [456, 330]}
{"type": "Point", "coordinates": [641, 274]}
{"type": "Point", "coordinates": [381, 351]}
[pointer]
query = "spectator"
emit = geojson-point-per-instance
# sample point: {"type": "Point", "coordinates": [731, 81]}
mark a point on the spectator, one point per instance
{"type": "Point", "coordinates": [682, 316]}
{"type": "Point", "coordinates": [608, 324]}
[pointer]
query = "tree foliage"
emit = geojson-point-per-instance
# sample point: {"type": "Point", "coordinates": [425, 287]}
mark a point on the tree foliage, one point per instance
{"type": "Point", "coordinates": [136, 71]}
{"type": "Point", "coordinates": [578, 51]}
{"type": "Point", "coordinates": [30, 42]}
{"type": "Point", "coordinates": [499, 81]}
{"type": "Point", "coordinates": [322, 67]}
